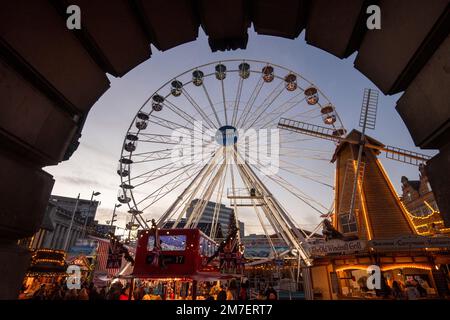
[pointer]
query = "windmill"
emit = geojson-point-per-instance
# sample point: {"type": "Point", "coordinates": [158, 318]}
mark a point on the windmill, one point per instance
{"type": "Point", "coordinates": [350, 191]}
{"type": "Point", "coordinates": [367, 121]}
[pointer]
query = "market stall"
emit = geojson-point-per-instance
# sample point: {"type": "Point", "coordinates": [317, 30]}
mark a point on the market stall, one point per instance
{"type": "Point", "coordinates": [341, 268]}
{"type": "Point", "coordinates": [178, 264]}
{"type": "Point", "coordinates": [48, 268]}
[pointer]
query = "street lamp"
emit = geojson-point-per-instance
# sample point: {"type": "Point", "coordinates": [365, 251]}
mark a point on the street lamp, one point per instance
{"type": "Point", "coordinates": [114, 213]}
{"type": "Point", "coordinates": [94, 194]}
{"type": "Point", "coordinates": [66, 242]}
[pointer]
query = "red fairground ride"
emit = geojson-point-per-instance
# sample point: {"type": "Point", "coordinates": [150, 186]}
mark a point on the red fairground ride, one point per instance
{"type": "Point", "coordinates": [176, 253]}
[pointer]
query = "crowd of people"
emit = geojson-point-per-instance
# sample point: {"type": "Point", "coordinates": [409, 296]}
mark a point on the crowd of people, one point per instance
{"type": "Point", "coordinates": [238, 291]}
{"type": "Point", "coordinates": [233, 290]}
{"type": "Point", "coordinates": [399, 290]}
{"type": "Point", "coordinates": [412, 290]}
{"type": "Point", "coordinates": [60, 291]}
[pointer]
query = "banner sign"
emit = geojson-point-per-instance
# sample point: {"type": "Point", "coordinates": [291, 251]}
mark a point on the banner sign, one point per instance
{"type": "Point", "coordinates": [410, 242]}
{"type": "Point", "coordinates": [323, 248]}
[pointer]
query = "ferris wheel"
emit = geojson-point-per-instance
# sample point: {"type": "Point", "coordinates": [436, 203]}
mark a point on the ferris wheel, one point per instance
{"type": "Point", "coordinates": [209, 135]}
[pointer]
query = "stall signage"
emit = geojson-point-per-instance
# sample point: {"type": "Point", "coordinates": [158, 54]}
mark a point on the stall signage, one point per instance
{"type": "Point", "coordinates": [336, 247]}
{"type": "Point", "coordinates": [411, 242]}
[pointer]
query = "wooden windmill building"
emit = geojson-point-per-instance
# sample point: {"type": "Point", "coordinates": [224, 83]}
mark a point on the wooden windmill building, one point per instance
{"type": "Point", "coordinates": [379, 227]}
{"type": "Point", "coordinates": [378, 212]}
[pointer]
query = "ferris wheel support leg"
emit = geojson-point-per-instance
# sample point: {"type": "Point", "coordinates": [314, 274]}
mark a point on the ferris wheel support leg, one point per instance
{"type": "Point", "coordinates": [206, 197]}
{"type": "Point", "coordinates": [249, 184]}
{"type": "Point", "coordinates": [169, 211]}
{"type": "Point", "coordinates": [202, 176]}
{"type": "Point", "coordinates": [276, 211]}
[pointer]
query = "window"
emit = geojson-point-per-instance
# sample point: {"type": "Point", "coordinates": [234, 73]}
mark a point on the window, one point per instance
{"type": "Point", "coordinates": [203, 246]}
{"type": "Point", "coordinates": [348, 223]}
{"type": "Point", "coordinates": [207, 248]}
{"type": "Point", "coordinates": [168, 243]}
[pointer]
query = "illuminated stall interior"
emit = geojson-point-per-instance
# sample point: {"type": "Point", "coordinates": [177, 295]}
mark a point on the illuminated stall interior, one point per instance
{"type": "Point", "coordinates": [47, 267]}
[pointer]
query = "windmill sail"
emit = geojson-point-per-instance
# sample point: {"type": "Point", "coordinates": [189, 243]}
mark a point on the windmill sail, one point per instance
{"type": "Point", "coordinates": [393, 153]}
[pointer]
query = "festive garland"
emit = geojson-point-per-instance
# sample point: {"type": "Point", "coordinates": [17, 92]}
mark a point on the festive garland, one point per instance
{"type": "Point", "coordinates": [115, 242]}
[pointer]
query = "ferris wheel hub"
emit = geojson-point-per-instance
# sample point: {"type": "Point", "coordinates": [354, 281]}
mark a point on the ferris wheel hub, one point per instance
{"type": "Point", "coordinates": [226, 135]}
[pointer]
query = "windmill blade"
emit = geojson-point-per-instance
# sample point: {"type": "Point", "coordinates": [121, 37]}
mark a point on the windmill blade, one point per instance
{"type": "Point", "coordinates": [405, 156]}
{"type": "Point", "coordinates": [391, 152]}
{"type": "Point", "coordinates": [368, 115]}
{"type": "Point", "coordinates": [311, 129]}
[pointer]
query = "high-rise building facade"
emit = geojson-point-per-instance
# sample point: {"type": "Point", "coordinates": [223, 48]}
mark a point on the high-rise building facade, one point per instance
{"type": "Point", "coordinates": [224, 216]}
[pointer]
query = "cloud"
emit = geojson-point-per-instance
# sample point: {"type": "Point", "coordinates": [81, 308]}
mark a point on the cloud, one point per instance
{"type": "Point", "coordinates": [81, 181]}
{"type": "Point", "coordinates": [99, 151]}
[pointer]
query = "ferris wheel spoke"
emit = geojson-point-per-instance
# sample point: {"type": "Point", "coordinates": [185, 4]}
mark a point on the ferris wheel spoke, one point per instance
{"type": "Point", "coordinates": [300, 171]}
{"type": "Point", "coordinates": [270, 99]}
{"type": "Point", "coordinates": [283, 109]}
{"type": "Point", "coordinates": [297, 193]}
{"type": "Point", "coordinates": [213, 231]}
{"type": "Point", "coordinates": [298, 153]}
{"type": "Point", "coordinates": [150, 156]}
{"type": "Point", "coordinates": [172, 139]}
{"type": "Point", "coordinates": [284, 142]}
{"type": "Point", "coordinates": [169, 187]}
{"type": "Point", "coordinates": [289, 170]}
{"type": "Point", "coordinates": [266, 233]}
{"type": "Point", "coordinates": [222, 84]}
{"type": "Point", "coordinates": [235, 207]}
{"type": "Point", "coordinates": [305, 149]}
{"type": "Point", "coordinates": [237, 101]}
{"type": "Point", "coordinates": [181, 199]}
{"type": "Point", "coordinates": [289, 187]}
{"type": "Point", "coordinates": [251, 102]}
{"type": "Point", "coordinates": [156, 174]}
{"type": "Point", "coordinates": [208, 97]}
{"type": "Point", "coordinates": [200, 180]}
{"type": "Point", "coordinates": [304, 113]}
{"type": "Point", "coordinates": [305, 157]}
{"type": "Point", "coordinates": [162, 170]}
{"type": "Point", "coordinates": [167, 123]}
{"type": "Point", "coordinates": [199, 109]}
{"type": "Point", "coordinates": [205, 196]}
{"type": "Point", "coordinates": [183, 115]}
{"type": "Point", "coordinates": [151, 172]}
{"type": "Point", "coordinates": [156, 138]}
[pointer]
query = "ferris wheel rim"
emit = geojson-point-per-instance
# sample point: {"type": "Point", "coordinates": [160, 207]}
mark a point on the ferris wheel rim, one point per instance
{"type": "Point", "coordinates": [206, 75]}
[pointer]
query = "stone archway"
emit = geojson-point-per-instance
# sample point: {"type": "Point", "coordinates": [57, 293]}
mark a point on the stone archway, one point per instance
{"type": "Point", "coordinates": [51, 76]}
